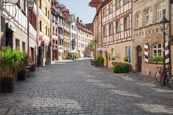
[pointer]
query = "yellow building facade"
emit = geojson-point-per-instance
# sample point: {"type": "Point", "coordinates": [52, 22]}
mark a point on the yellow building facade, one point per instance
{"type": "Point", "coordinates": [44, 49]}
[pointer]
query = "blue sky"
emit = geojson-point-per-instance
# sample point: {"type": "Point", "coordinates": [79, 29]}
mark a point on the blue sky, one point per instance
{"type": "Point", "coordinates": [81, 9]}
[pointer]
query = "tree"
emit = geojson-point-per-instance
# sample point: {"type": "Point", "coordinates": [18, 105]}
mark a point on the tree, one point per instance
{"type": "Point", "coordinates": [91, 45]}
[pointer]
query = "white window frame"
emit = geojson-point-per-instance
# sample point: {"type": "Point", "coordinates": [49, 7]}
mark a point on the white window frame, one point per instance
{"type": "Point", "coordinates": [118, 26]}
{"type": "Point", "coordinates": [110, 7]}
{"type": "Point", "coordinates": [137, 20]}
{"type": "Point", "coordinates": [111, 29]}
{"type": "Point", "coordinates": [126, 1]}
{"type": "Point", "coordinates": [157, 48]}
{"type": "Point", "coordinates": [159, 11]}
{"type": "Point", "coordinates": [117, 4]}
{"type": "Point", "coordinates": [126, 23]}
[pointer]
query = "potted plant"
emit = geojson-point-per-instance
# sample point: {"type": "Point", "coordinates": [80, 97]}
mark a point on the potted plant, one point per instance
{"type": "Point", "coordinates": [156, 59]}
{"type": "Point", "coordinates": [126, 58]}
{"type": "Point", "coordinates": [23, 61]}
{"type": "Point", "coordinates": [8, 64]}
{"type": "Point", "coordinates": [92, 61]}
{"type": "Point", "coordinates": [99, 62]}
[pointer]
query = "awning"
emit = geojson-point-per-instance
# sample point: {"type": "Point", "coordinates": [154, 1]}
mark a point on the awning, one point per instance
{"type": "Point", "coordinates": [100, 49]}
{"type": "Point", "coordinates": [73, 51]}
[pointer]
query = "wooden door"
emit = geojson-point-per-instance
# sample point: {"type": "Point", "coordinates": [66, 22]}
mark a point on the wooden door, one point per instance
{"type": "Point", "coordinates": [139, 58]}
{"type": "Point", "coordinates": [106, 55]}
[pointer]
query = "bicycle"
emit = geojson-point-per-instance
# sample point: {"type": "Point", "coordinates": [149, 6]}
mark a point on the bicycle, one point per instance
{"type": "Point", "coordinates": [164, 78]}
{"type": "Point", "coordinates": [159, 76]}
{"type": "Point", "coordinates": [169, 78]}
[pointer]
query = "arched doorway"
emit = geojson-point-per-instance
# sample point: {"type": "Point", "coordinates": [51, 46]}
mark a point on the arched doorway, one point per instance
{"type": "Point", "coordinates": [139, 59]}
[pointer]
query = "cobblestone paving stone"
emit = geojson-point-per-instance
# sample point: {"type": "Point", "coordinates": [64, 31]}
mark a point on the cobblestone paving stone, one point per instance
{"type": "Point", "coordinates": [77, 88]}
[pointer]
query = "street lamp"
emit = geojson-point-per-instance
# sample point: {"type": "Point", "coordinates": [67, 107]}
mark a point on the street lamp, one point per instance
{"type": "Point", "coordinates": [30, 6]}
{"type": "Point", "coordinates": [164, 23]}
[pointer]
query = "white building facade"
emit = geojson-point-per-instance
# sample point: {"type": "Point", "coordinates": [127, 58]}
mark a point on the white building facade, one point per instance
{"type": "Point", "coordinates": [14, 27]}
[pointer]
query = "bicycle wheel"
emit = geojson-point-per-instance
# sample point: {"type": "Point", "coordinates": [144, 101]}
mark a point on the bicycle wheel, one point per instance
{"type": "Point", "coordinates": [169, 82]}
{"type": "Point", "coordinates": [158, 77]}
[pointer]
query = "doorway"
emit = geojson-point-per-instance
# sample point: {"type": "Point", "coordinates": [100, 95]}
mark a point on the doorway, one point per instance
{"type": "Point", "coordinates": [106, 56]}
{"type": "Point", "coordinates": [139, 59]}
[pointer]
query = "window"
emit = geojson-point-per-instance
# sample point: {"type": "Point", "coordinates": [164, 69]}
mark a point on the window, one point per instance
{"type": "Point", "coordinates": [17, 44]}
{"type": "Point", "coordinates": [157, 50]}
{"type": "Point", "coordinates": [23, 46]}
{"type": "Point", "coordinates": [126, 23]}
{"type": "Point", "coordinates": [56, 30]}
{"type": "Point", "coordinates": [117, 4]}
{"type": "Point", "coordinates": [104, 31]}
{"type": "Point", "coordinates": [112, 53]}
{"type": "Point", "coordinates": [160, 11]}
{"type": "Point", "coordinates": [111, 8]}
{"type": "Point", "coordinates": [126, 51]}
{"type": "Point", "coordinates": [137, 21]}
{"type": "Point", "coordinates": [23, 5]}
{"type": "Point", "coordinates": [48, 14]}
{"type": "Point", "coordinates": [148, 16]}
{"type": "Point", "coordinates": [118, 26]}
{"type": "Point", "coordinates": [104, 12]}
{"type": "Point", "coordinates": [110, 28]}
{"type": "Point", "coordinates": [40, 26]}
{"type": "Point", "coordinates": [126, 1]}
{"type": "Point", "coordinates": [40, 4]}
{"type": "Point", "coordinates": [46, 11]}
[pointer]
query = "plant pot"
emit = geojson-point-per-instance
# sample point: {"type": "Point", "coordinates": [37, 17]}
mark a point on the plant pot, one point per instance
{"type": "Point", "coordinates": [21, 76]}
{"type": "Point", "coordinates": [99, 65]}
{"type": "Point", "coordinates": [7, 84]}
{"type": "Point", "coordinates": [92, 62]}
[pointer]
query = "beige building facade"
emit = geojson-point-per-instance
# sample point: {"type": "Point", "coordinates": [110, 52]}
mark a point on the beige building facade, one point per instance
{"type": "Point", "coordinates": [147, 34]}
{"type": "Point", "coordinates": [84, 37]}
{"type": "Point", "coordinates": [112, 30]}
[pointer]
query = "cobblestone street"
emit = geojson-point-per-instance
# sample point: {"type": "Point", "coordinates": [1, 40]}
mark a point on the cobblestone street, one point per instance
{"type": "Point", "coordinates": [77, 88]}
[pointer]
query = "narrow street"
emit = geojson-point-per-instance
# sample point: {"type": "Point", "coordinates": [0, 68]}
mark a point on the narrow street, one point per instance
{"type": "Point", "coordinates": [77, 88]}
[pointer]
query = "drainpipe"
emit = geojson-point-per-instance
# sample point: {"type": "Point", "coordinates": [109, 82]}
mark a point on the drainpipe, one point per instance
{"type": "Point", "coordinates": [170, 36]}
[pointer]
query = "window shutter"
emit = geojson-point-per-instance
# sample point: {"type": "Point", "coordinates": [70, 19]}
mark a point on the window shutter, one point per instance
{"type": "Point", "coordinates": [146, 53]}
{"type": "Point", "coordinates": [128, 53]}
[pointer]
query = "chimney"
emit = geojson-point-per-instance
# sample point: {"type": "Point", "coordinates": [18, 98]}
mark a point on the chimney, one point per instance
{"type": "Point", "coordinates": [77, 19]}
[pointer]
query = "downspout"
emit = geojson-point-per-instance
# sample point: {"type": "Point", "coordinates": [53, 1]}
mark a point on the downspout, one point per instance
{"type": "Point", "coordinates": [170, 36]}
{"type": "Point", "coordinates": [37, 29]}
{"type": "Point", "coordinates": [50, 34]}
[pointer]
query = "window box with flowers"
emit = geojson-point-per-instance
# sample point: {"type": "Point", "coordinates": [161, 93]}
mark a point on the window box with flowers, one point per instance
{"type": "Point", "coordinates": [156, 59]}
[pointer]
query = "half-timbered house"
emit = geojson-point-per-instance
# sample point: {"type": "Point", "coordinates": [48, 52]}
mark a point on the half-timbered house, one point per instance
{"type": "Point", "coordinates": [114, 40]}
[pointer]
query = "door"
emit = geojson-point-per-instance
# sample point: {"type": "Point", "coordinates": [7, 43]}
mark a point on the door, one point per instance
{"type": "Point", "coordinates": [139, 58]}
{"type": "Point", "coordinates": [106, 56]}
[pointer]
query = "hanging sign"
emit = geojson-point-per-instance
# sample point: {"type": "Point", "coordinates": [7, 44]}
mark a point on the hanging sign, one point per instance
{"type": "Point", "coordinates": [40, 38]}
